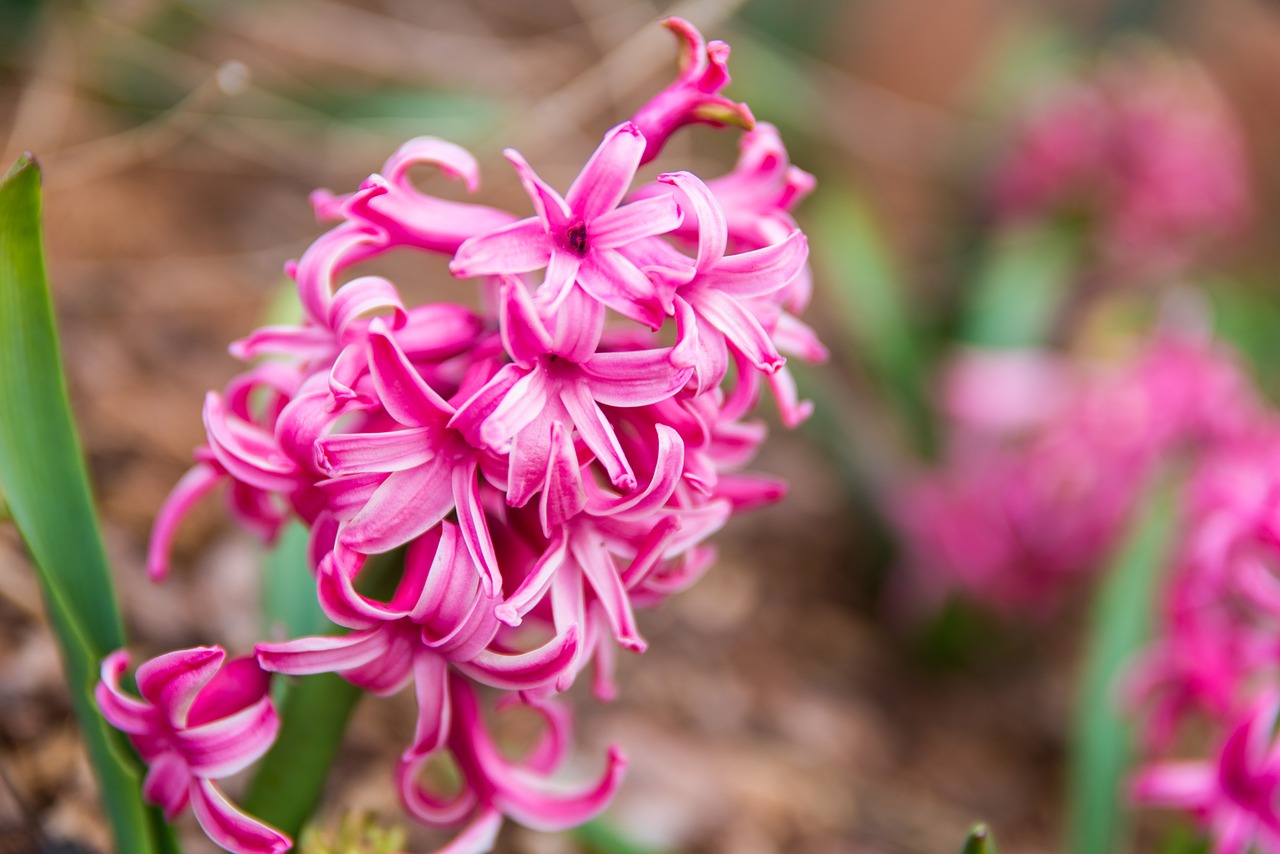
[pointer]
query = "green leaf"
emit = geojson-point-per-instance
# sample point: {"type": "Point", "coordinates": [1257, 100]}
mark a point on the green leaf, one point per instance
{"type": "Point", "coordinates": [979, 841]}
{"type": "Point", "coordinates": [44, 481]}
{"type": "Point", "coordinates": [1020, 288]}
{"type": "Point", "coordinates": [601, 837]}
{"type": "Point", "coordinates": [1102, 742]}
{"type": "Point", "coordinates": [287, 785]}
{"type": "Point", "coordinates": [860, 273]}
{"type": "Point", "coordinates": [289, 605]}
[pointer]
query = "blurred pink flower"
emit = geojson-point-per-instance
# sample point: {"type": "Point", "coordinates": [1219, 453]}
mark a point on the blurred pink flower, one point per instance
{"type": "Point", "coordinates": [1147, 150]}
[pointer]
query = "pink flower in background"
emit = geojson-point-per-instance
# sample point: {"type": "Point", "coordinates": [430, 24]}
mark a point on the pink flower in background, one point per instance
{"type": "Point", "coordinates": [1046, 459]}
{"type": "Point", "coordinates": [1147, 150]}
{"type": "Point", "coordinates": [201, 718]}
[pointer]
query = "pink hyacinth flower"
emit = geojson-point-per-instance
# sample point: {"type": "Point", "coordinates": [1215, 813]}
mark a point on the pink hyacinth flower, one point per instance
{"type": "Point", "coordinates": [1235, 797]}
{"type": "Point", "coordinates": [694, 96]}
{"type": "Point", "coordinates": [200, 719]}
{"type": "Point", "coordinates": [494, 786]}
{"type": "Point", "coordinates": [581, 237]}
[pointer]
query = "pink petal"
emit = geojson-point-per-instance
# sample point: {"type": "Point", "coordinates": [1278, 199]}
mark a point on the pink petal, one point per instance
{"type": "Point", "coordinates": [527, 670]}
{"type": "Point", "coordinates": [760, 272]}
{"type": "Point", "coordinates": [631, 222]}
{"type": "Point", "coordinates": [739, 326]}
{"type": "Point", "coordinates": [194, 485]}
{"type": "Point", "coordinates": [404, 506]}
{"type": "Point", "coordinates": [407, 397]}
{"type": "Point", "coordinates": [125, 713]}
{"type": "Point", "coordinates": [516, 248]}
{"type": "Point", "coordinates": [170, 682]}
{"type": "Point", "coordinates": [479, 836]}
{"type": "Point", "coordinates": [535, 584]}
{"type": "Point", "coordinates": [523, 403]}
{"type": "Point", "coordinates": [431, 687]}
{"type": "Point", "coordinates": [423, 805]}
{"type": "Point", "coordinates": [597, 566]}
{"type": "Point", "coordinates": [230, 827]}
{"type": "Point", "coordinates": [305, 656]}
{"type": "Point", "coordinates": [474, 526]}
{"type": "Point", "coordinates": [356, 453]}
{"type": "Point", "coordinates": [552, 210]}
{"type": "Point", "coordinates": [668, 468]}
{"type": "Point", "coordinates": [598, 434]}
{"type": "Point", "coordinates": [577, 322]}
{"type": "Point", "coordinates": [562, 492]}
{"type": "Point", "coordinates": [634, 377]}
{"type": "Point", "coordinates": [361, 296]}
{"type": "Point", "coordinates": [608, 174]}
{"type": "Point", "coordinates": [452, 159]}
{"type": "Point", "coordinates": [533, 801]}
{"type": "Point", "coordinates": [245, 451]}
{"type": "Point", "coordinates": [614, 280]}
{"type": "Point", "coordinates": [524, 336]}
{"type": "Point", "coordinates": [229, 745]}
{"type": "Point", "coordinates": [713, 234]}
{"type": "Point", "coordinates": [167, 784]}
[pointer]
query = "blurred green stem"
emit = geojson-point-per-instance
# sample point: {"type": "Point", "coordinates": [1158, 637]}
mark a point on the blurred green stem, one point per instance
{"type": "Point", "coordinates": [1102, 743]}
{"type": "Point", "coordinates": [1020, 287]}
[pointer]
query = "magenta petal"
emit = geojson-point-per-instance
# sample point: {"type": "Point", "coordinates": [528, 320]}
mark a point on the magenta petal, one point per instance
{"type": "Point", "coordinates": [194, 485]}
{"type": "Point", "coordinates": [552, 210]}
{"type": "Point", "coordinates": [608, 174]}
{"type": "Point", "coordinates": [404, 506]}
{"type": "Point", "coordinates": [538, 804]}
{"type": "Point", "coordinates": [524, 336]}
{"type": "Point", "coordinates": [576, 324]}
{"type": "Point", "coordinates": [527, 670]}
{"type": "Point", "coordinates": [762, 271]}
{"type": "Point", "coordinates": [516, 248]}
{"type": "Point", "coordinates": [634, 377]}
{"type": "Point", "coordinates": [713, 230]}
{"type": "Point", "coordinates": [357, 453]}
{"type": "Point", "coordinates": [614, 280]}
{"type": "Point", "coordinates": [423, 805]}
{"type": "Point", "coordinates": [305, 656]}
{"type": "Point", "coordinates": [523, 403]}
{"type": "Point", "coordinates": [248, 453]}
{"type": "Point", "coordinates": [170, 682]}
{"type": "Point", "coordinates": [598, 433]}
{"type": "Point", "coordinates": [167, 784]}
{"type": "Point", "coordinates": [739, 326]}
{"type": "Point", "coordinates": [479, 836]}
{"type": "Point", "coordinates": [631, 222]}
{"type": "Point", "coordinates": [125, 713]}
{"type": "Point", "coordinates": [361, 296]}
{"type": "Point", "coordinates": [535, 584]}
{"type": "Point", "coordinates": [597, 565]}
{"type": "Point", "coordinates": [667, 470]}
{"type": "Point", "coordinates": [474, 527]}
{"type": "Point", "coordinates": [431, 687]}
{"type": "Point", "coordinates": [407, 397]}
{"type": "Point", "coordinates": [232, 828]}
{"type": "Point", "coordinates": [229, 745]}
{"type": "Point", "coordinates": [562, 493]}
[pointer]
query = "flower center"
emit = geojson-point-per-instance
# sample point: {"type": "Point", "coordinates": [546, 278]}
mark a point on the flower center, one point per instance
{"type": "Point", "coordinates": [576, 237]}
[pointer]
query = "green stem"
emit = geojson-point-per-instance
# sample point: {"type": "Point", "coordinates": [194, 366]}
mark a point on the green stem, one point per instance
{"type": "Point", "coordinates": [1102, 746]}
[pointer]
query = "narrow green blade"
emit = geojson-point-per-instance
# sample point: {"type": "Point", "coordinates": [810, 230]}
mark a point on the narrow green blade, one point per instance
{"type": "Point", "coordinates": [43, 478]}
{"type": "Point", "coordinates": [858, 265]}
{"type": "Point", "coordinates": [1020, 288]}
{"type": "Point", "coordinates": [1102, 747]}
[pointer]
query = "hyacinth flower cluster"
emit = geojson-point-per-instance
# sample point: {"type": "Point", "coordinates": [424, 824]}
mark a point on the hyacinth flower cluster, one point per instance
{"type": "Point", "coordinates": [1212, 667]}
{"type": "Point", "coordinates": [544, 465]}
{"type": "Point", "coordinates": [1145, 152]}
{"type": "Point", "coordinates": [1044, 463]}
